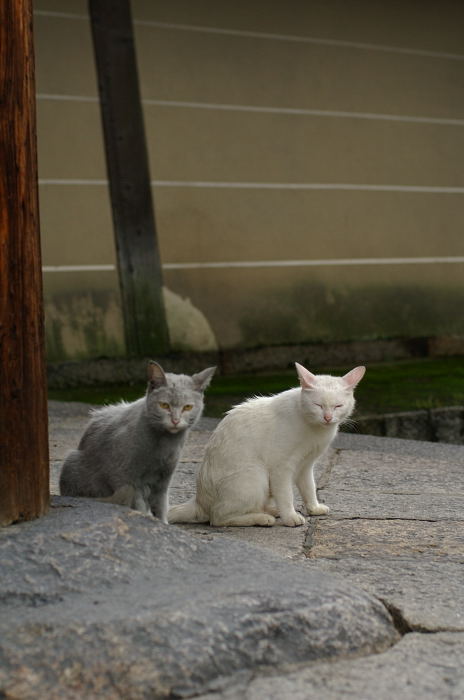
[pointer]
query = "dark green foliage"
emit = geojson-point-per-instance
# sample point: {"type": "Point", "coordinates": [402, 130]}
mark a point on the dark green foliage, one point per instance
{"type": "Point", "coordinates": [388, 387]}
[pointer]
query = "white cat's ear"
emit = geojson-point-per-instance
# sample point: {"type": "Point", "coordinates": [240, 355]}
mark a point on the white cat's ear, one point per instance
{"type": "Point", "coordinates": [354, 377]}
{"type": "Point", "coordinates": [202, 379]}
{"type": "Point", "coordinates": [307, 379]}
{"type": "Point", "coordinates": [156, 376]}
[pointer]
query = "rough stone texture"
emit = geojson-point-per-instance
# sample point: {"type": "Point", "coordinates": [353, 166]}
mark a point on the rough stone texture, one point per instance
{"type": "Point", "coordinates": [107, 603]}
{"type": "Point", "coordinates": [418, 667]}
{"type": "Point", "coordinates": [426, 593]}
{"type": "Point", "coordinates": [94, 597]}
{"type": "Point", "coordinates": [376, 484]}
{"type": "Point", "coordinates": [397, 527]}
{"type": "Point", "coordinates": [394, 538]}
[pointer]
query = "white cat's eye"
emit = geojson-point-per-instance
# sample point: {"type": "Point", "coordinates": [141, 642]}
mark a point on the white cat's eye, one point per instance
{"type": "Point", "coordinates": [188, 407]}
{"type": "Point", "coordinates": [164, 405]}
{"type": "Point", "coordinates": [318, 404]}
{"type": "Point", "coordinates": [338, 405]}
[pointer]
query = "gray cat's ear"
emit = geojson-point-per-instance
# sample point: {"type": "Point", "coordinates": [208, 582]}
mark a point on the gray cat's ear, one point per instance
{"type": "Point", "coordinates": [202, 379]}
{"type": "Point", "coordinates": [155, 375]}
{"type": "Point", "coordinates": [306, 378]}
{"type": "Point", "coordinates": [354, 377]}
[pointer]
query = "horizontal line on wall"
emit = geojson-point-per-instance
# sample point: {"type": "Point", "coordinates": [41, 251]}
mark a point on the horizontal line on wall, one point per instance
{"type": "Point", "coordinates": [269, 185]}
{"type": "Point", "coordinates": [300, 39]}
{"type": "Point", "coordinates": [71, 181]}
{"type": "Point", "coordinates": [269, 263]}
{"type": "Point", "coordinates": [269, 36]}
{"type": "Point", "coordinates": [316, 263]}
{"type": "Point", "coordinates": [306, 112]}
{"type": "Point", "coordinates": [60, 15]}
{"type": "Point", "coordinates": [295, 111]}
{"type": "Point", "coordinates": [78, 268]}
{"type": "Point", "coordinates": [66, 98]}
{"type": "Point", "coordinates": [308, 186]}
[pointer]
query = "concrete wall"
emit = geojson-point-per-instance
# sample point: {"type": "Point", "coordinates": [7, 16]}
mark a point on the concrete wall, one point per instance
{"type": "Point", "coordinates": [287, 141]}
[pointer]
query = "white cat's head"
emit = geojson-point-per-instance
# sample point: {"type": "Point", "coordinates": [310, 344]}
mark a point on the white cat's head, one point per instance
{"type": "Point", "coordinates": [175, 401]}
{"type": "Point", "coordinates": [328, 400]}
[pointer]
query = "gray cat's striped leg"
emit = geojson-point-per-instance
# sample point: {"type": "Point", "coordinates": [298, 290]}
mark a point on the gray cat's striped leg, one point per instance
{"type": "Point", "coordinates": [159, 504]}
{"type": "Point", "coordinates": [141, 500]}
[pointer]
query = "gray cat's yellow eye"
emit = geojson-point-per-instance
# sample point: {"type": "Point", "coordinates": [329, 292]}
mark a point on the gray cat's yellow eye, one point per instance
{"type": "Point", "coordinates": [164, 405]}
{"type": "Point", "coordinates": [188, 407]}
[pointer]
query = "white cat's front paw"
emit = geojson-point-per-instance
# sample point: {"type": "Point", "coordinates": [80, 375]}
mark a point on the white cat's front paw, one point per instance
{"type": "Point", "coordinates": [293, 520]}
{"type": "Point", "coordinates": [320, 509]}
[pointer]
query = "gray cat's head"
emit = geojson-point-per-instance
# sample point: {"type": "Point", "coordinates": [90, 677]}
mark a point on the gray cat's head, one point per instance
{"type": "Point", "coordinates": [175, 401]}
{"type": "Point", "coordinates": [328, 400]}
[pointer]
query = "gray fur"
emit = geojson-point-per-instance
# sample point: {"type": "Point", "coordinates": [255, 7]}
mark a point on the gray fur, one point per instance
{"type": "Point", "coordinates": [129, 451]}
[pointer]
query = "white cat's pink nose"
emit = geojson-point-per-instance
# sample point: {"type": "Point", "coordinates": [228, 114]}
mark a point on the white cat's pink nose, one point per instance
{"type": "Point", "coordinates": [327, 417]}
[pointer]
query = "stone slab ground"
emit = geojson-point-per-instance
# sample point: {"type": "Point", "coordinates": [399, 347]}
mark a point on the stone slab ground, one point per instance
{"type": "Point", "coordinates": [97, 601]}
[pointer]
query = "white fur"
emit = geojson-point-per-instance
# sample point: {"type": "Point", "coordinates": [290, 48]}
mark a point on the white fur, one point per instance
{"type": "Point", "coordinates": [263, 447]}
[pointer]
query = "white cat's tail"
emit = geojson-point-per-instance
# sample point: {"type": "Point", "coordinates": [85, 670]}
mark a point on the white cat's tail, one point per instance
{"type": "Point", "coordinates": [189, 512]}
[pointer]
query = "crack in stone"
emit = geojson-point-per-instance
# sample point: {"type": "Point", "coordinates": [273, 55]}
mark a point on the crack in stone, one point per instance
{"type": "Point", "coordinates": [406, 520]}
{"type": "Point", "coordinates": [403, 626]}
{"type": "Point", "coordinates": [308, 541]}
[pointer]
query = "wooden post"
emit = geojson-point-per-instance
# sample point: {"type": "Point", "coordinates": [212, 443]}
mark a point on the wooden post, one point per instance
{"type": "Point", "coordinates": [138, 257]}
{"type": "Point", "coordinates": [24, 467]}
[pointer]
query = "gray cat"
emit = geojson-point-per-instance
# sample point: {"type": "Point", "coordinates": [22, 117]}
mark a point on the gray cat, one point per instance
{"type": "Point", "coordinates": [129, 451]}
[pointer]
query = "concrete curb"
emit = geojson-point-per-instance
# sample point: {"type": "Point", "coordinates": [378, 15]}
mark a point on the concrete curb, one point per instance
{"type": "Point", "coordinates": [434, 425]}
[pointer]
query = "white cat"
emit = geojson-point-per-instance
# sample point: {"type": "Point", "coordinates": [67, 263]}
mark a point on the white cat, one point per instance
{"type": "Point", "coordinates": [264, 446]}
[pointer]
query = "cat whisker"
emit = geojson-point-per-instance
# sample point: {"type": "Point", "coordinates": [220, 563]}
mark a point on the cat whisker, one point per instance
{"type": "Point", "coordinates": [350, 425]}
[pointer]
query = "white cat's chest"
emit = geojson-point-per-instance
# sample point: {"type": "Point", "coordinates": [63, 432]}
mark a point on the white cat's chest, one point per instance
{"type": "Point", "coordinates": [312, 444]}
{"type": "Point", "coordinates": [297, 445]}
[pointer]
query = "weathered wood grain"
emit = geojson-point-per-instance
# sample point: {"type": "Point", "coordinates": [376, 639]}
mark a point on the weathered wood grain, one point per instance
{"type": "Point", "coordinates": [24, 467]}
